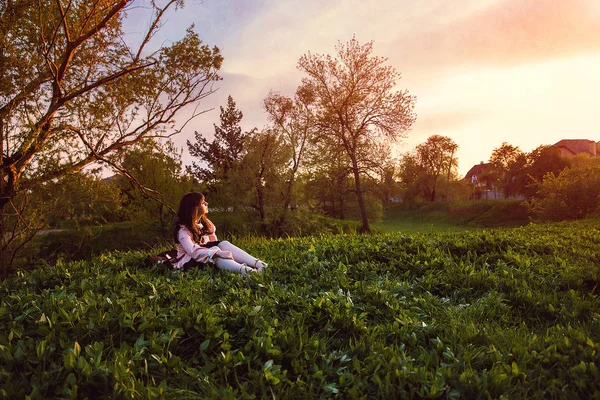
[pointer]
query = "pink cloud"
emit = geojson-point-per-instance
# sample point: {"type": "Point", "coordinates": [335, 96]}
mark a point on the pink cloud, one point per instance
{"type": "Point", "coordinates": [511, 32]}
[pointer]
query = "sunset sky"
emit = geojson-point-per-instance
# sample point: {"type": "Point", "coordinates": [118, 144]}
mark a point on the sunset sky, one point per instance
{"type": "Point", "coordinates": [484, 71]}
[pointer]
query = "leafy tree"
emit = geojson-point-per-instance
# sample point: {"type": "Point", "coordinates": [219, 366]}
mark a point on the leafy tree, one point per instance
{"type": "Point", "coordinates": [331, 185]}
{"type": "Point", "coordinates": [155, 184]}
{"type": "Point", "coordinates": [264, 165]}
{"type": "Point", "coordinates": [356, 104]}
{"type": "Point", "coordinates": [295, 119]}
{"type": "Point", "coordinates": [84, 198]}
{"type": "Point", "coordinates": [224, 152]}
{"type": "Point", "coordinates": [412, 177]}
{"type": "Point", "coordinates": [508, 163]}
{"type": "Point", "coordinates": [327, 175]}
{"type": "Point", "coordinates": [222, 156]}
{"type": "Point", "coordinates": [541, 161]}
{"type": "Point", "coordinates": [74, 91]}
{"type": "Point", "coordinates": [573, 194]}
{"type": "Point", "coordinates": [436, 158]}
{"type": "Point", "coordinates": [328, 181]}
{"type": "Point", "coordinates": [389, 188]}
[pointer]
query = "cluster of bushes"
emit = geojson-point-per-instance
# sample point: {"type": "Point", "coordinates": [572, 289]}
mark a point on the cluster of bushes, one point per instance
{"type": "Point", "coordinates": [572, 194]}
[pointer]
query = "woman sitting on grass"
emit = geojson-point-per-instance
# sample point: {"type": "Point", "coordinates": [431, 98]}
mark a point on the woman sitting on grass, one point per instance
{"type": "Point", "coordinates": [197, 242]}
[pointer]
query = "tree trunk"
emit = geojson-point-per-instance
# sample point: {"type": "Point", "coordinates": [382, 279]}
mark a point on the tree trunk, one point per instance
{"type": "Point", "coordinates": [286, 204]}
{"type": "Point", "coordinates": [333, 212]}
{"type": "Point", "coordinates": [339, 184]}
{"type": "Point", "coordinates": [261, 207]}
{"type": "Point", "coordinates": [432, 198]}
{"type": "Point", "coordinates": [365, 228]}
{"type": "Point", "coordinates": [8, 179]}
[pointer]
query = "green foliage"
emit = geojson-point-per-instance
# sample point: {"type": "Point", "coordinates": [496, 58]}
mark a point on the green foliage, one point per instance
{"type": "Point", "coordinates": [83, 198]}
{"type": "Point", "coordinates": [508, 163]}
{"type": "Point", "coordinates": [573, 194]}
{"type": "Point", "coordinates": [84, 242]}
{"type": "Point", "coordinates": [436, 159]}
{"type": "Point", "coordinates": [507, 313]}
{"type": "Point", "coordinates": [263, 174]}
{"type": "Point", "coordinates": [160, 180]}
{"type": "Point", "coordinates": [373, 207]}
{"type": "Point", "coordinates": [300, 222]}
{"type": "Point", "coordinates": [540, 162]}
{"type": "Point", "coordinates": [220, 160]}
{"type": "Point", "coordinates": [76, 201]}
{"type": "Point", "coordinates": [76, 90]}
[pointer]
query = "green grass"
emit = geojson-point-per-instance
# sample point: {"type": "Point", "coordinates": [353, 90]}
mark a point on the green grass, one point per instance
{"type": "Point", "coordinates": [411, 226]}
{"type": "Point", "coordinates": [440, 217]}
{"type": "Point", "coordinates": [489, 313]}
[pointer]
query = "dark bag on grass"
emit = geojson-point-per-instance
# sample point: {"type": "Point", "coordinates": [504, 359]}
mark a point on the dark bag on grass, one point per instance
{"type": "Point", "coordinates": [167, 258]}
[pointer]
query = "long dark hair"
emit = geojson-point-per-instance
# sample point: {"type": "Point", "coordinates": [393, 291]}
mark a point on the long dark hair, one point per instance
{"type": "Point", "coordinates": [188, 214]}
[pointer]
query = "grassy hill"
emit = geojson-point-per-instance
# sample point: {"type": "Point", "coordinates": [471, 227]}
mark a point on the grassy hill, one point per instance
{"type": "Point", "coordinates": [472, 314]}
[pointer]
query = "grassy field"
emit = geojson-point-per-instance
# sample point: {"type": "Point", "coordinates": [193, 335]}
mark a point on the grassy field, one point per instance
{"type": "Point", "coordinates": [487, 313]}
{"type": "Point", "coordinates": [418, 226]}
{"type": "Point", "coordinates": [453, 216]}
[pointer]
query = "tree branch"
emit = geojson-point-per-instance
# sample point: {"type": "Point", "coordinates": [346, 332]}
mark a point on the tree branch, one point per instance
{"type": "Point", "coordinates": [146, 192]}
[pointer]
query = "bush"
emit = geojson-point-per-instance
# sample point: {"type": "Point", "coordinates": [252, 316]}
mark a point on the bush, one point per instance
{"type": "Point", "coordinates": [573, 194]}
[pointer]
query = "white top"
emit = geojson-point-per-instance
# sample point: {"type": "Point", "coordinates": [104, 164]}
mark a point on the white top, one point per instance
{"type": "Point", "coordinates": [187, 249]}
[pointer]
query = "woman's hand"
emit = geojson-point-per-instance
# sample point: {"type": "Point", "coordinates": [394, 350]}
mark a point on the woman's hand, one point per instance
{"type": "Point", "coordinates": [223, 254]}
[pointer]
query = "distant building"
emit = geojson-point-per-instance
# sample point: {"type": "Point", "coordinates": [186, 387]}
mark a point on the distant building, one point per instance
{"type": "Point", "coordinates": [570, 148]}
{"type": "Point", "coordinates": [483, 184]}
{"type": "Point", "coordinates": [476, 172]}
{"type": "Point", "coordinates": [484, 188]}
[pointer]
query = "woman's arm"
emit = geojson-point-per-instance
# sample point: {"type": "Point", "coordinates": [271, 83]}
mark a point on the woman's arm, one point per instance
{"type": "Point", "coordinates": [197, 252]}
{"type": "Point", "coordinates": [211, 229]}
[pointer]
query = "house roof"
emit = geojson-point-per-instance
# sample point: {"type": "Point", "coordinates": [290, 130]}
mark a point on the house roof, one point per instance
{"type": "Point", "coordinates": [477, 169]}
{"type": "Point", "coordinates": [577, 146]}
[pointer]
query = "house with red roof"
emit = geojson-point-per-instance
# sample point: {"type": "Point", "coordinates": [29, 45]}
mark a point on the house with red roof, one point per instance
{"type": "Point", "coordinates": [570, 148]}
{"type": "Point", "coordinates": [483, 183]}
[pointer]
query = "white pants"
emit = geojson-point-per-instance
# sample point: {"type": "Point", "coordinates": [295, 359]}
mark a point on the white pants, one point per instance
{"type": "Point", "coordinates": [240, 257]}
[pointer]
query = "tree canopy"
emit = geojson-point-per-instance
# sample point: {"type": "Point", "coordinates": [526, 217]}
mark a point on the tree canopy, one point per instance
{"type": "Point", "coordinates": [508, 162]}
{"type": "Point", "coordinates": [220, 155]}
{"type": "Point", "coordinates": [220, 160]}
{"type": "Point", "coordinates": [74, 91]}
{"type": "Point", "coordinates": [436, 157]}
